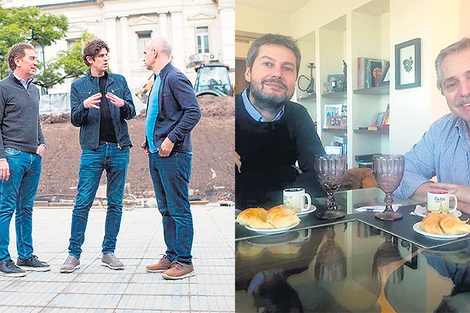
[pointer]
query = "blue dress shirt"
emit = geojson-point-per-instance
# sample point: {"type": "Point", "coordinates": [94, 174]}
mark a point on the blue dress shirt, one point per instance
{"type": "Point", "coordinates": [254, 113]}
{"type": "Point", "coordinates": [443, 151]}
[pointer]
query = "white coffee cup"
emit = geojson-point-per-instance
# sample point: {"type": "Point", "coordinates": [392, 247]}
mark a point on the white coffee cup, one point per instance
{"type": "Point", "coordinates": [295, 198]}
{"type": "Point", "coordinates": [438, 201]}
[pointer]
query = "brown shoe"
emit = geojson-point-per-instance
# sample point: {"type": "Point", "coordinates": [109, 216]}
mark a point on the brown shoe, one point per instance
{"type": "Point", "coordinates": [179, 271]}
{"type": "Point", "coordinates": [161, 266]}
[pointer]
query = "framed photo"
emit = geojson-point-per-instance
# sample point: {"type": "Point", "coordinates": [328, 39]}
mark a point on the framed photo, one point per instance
{"type": "Point", "coordinates": [331, 110]}
{"type": "Point", "coordinates": [386, 73]}
{"type": "Point", "coordinates": [336, 82]}
{"type": "Point", "coordinates": [408, 64]}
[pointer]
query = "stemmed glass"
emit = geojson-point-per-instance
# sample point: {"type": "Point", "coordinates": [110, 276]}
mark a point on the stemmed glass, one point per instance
{"type": "Point", "coordinates": [388, 171]}
{"type": "Point", "coordinates": [330, 171]}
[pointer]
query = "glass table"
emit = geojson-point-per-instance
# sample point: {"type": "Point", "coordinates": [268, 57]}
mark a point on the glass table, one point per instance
{"type": "Point", "coordinates": [357, 264]}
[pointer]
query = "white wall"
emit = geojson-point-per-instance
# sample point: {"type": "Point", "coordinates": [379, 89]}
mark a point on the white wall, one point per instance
{"type": "Point", "coordinates": [415, 109]}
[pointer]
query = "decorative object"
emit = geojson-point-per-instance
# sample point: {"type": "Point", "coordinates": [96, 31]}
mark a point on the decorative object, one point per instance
{"type": "Point", "coordinates": [388, 171]}
{"type": "Point", "coordinates": [305, 83]}
{"type": "Point", "coordinates": [330, 171]}
{"type": "Point", "coordinates": [336, 82]}
{"type": "Point", "coordinates": [408, 64]}
{"type": "Point", "coordinates": [371, 72]}
{"type": "Point", "coordinates": [331, 110]}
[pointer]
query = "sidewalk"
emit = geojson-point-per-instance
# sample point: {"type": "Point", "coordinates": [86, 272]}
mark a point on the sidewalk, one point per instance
{"type": "Point", "coordinates": [95, 288]}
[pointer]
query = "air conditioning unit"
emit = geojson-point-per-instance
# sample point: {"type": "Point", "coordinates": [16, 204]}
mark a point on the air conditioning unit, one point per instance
{"type": "Point", "coordinates": [213, 57]}
{"type": "Point", "coordinates": [197, 57]}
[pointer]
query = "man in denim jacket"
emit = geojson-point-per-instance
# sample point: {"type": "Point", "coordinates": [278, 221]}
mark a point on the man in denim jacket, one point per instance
{"type": "Point", "coordinates": [101, 103]}
{"type": "Point", "coordinates": [172, 112]}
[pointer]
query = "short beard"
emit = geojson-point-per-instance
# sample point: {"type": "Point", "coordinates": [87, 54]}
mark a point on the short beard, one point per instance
{"type": "Point", "coordinates": [265, 101]}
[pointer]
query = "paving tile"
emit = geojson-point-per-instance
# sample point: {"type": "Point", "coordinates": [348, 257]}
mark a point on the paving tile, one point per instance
{"type": "Point", "coordinates": [95, 288]}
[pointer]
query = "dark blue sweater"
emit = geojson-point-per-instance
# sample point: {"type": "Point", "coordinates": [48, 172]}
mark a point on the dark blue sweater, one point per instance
{"type": "Point", "coordinates": [268, 151]}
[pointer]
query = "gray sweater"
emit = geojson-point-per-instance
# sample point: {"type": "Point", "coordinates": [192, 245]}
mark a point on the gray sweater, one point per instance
{"type": "Point", "coordinates": [19, 116]}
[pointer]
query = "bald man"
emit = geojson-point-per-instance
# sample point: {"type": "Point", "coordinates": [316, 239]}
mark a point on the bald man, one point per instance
{"type": "Point", "coordinates": [172, 112]}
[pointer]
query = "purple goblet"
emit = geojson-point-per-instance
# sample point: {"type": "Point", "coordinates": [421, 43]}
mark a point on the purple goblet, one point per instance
{"type": "Point", "coordinates": [330, 171]}
{"type": "Point", "coordinates": [388, 171]}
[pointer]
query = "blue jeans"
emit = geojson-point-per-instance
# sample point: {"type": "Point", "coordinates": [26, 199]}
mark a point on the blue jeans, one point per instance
{"type": "Point", "coordinates": [114, 160]}
{"type": "Point", "coordinates": [18, 193]}
{"type": "Point", "coordinates": [170, 176]}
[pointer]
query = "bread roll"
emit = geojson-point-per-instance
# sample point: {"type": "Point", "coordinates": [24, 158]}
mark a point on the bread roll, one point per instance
{"type": "Point", "coordinates": [282, 217]}
{"type": "Point", "coordinates": [283, 209]}
{"type": "Point", "coordinates": [430, 223]}
{"type": "Point", "coordinates": [444, 224]}
{"type": "Point", "coordinates": [452, 225]}
{"type": "Point", "coordinates": [255, 218]}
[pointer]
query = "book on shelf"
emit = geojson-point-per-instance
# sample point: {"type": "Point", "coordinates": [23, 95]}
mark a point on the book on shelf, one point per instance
{"type": "Point", "coordinates": [341, 141]}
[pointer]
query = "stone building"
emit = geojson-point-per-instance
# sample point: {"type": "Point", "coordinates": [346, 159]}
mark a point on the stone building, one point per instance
{"type": "Point", "coordinates": [200, 31]}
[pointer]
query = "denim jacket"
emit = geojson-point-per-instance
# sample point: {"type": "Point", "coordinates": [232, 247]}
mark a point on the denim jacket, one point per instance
{"type": "Point", "coordinates": [178, 110]}
{"type": "Point", "coordinates": [89, 119]}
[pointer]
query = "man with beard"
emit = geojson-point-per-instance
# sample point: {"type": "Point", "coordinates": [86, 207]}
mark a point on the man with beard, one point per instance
{"type": "Point", "coordinates": [444, 150]}
{"type": "Point", "coordinates": [275, 139]}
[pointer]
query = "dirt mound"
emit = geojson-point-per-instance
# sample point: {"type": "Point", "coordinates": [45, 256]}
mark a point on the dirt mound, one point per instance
{"type": "Point", "coordinates": [213, 142]}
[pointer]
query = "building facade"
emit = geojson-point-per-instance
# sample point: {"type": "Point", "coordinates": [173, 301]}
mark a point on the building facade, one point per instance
{"type": "Point", "coordinates": [200, 31]}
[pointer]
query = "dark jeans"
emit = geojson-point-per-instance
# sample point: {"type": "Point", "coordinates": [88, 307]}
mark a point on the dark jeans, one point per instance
{"type": "Point", "coordinates": [170, 176]}
{"type": "Point", "coordinates": [114, 160]}
{"type": "Point", "coordinates": [18, 194]}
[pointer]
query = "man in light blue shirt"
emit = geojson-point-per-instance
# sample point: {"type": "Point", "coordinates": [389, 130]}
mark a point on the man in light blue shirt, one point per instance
{"type": "Point", "coordinates": [444, 150]}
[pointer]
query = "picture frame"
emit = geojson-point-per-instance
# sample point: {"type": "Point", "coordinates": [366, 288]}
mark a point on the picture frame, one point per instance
{"type": "Point", "coordinates": [331, 110]}
{"type": "Point", "coordinates": [336, 82]}
{"type": "Point", "coordinates": [385, 74]}
{"type": "Point", "coordinates": [408, 64]}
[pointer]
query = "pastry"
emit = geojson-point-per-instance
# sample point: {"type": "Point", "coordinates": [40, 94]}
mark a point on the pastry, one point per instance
{"type": "Point", "coordinates": [444, 224]}
{"type": "Point", "coordinates": [430, 223]}
{"type": "Point", "coordinates": [283, 209]}
{"type": "Point", "coordinates": [282, 217]}
{"type": "Point", "coordinates": [255, 218]}
{"type": "Point", "coordinates": [452, 225]}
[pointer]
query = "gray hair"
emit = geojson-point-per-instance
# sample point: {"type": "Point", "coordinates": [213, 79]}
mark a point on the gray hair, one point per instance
{"type": "Point", "coordinates": [161, 45]}
{"type": "Point", "coordinates": [460, 45]}
{"type": "Point", "coordinates": [273, 39]}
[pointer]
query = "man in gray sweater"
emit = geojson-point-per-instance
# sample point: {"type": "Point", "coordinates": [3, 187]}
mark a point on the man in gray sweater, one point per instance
{"type": "Point", "coordinates": [22, 147]}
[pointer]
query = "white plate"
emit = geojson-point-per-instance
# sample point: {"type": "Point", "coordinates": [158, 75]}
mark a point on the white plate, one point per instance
{"type": "Point", "coordinates": [312, 209]}
{"type": "Point", "coordinates": [271, 231]}
{"type": "Point", "coordinates": [417, 228]}
{"type": "Point", "coordinates": [423, 212]}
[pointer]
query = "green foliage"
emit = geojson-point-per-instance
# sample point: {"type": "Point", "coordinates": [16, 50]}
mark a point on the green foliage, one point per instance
{"type": "Point", "coordinates": [28, 24]}
{"type": "Point", "coordinates": [67, 64]}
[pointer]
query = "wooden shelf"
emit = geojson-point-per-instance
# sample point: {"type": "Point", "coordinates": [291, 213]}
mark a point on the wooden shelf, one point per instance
{"type": "Point", "coordinates": [380, 90]}
{"type": "Point", "coordinates": [335, 95]}
{"type": "Point", "coordinates": [366, 131]}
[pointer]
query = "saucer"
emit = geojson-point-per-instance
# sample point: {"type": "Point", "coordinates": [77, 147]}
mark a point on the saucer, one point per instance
{"type": "Point", "coordinates": [423, 212]}
{"type": "Point", "coordinates": [311, 210]}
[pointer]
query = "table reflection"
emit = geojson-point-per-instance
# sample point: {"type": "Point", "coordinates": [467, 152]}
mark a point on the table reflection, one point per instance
{"type": "Point", "coordinates": [349, 267]}
{"type": "Point", "coordinates": [453, 264]}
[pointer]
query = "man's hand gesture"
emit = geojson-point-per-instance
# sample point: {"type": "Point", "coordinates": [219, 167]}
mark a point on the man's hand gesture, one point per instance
{"type": "Point", "coordinates": [115, 100]}
{"type": "Point", "coordinates": [92, 101]}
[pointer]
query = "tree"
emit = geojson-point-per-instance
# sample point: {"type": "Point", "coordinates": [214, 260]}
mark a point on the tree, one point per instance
{"type": "Point", "coordinates": [28, 24]}
{"type": "Point", "coordinates": [67, 64]}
